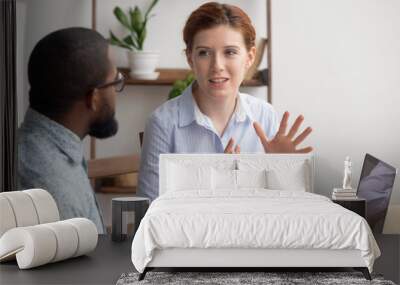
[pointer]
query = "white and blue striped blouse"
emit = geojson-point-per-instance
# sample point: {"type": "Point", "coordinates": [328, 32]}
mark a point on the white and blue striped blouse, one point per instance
{"type": "Point", "coordinates": [178, 126]}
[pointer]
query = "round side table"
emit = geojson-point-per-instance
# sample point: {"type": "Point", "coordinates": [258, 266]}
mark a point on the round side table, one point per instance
{"type": "Point", "coordinates": [139, 205]}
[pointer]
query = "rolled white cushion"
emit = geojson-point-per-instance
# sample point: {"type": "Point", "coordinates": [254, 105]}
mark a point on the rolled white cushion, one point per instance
{"type": "Point", "coordinates": [33, 246]}
{"type": "Point", "coordinates": [7, 218]}
{"type": "Point", "coordinates": [41, 244]}
{"type": "Point", "coordinates": [87, 234]}
{"type": "Point", "coordinates": [46, 207]}
{"type": "Point", "coordinates": [23, 208]}
{"type": "Point", "coordinates": [26, 208]}
{"type": "Point", "coordinates": [67, 240]}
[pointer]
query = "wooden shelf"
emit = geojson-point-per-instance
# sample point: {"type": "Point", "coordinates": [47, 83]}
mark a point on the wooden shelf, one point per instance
{"type": "Point", "coordinates": [169, 76]}
{"type": "Point", "coordinates": [108, 170]}
{"type": "Point", "coordinates": [116, 190]}
{"type": "Point", "coordinates": [112, 166]}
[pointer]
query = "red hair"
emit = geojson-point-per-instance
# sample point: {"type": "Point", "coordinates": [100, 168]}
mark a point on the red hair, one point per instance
{"type": "Point", "coordinates": [212, 14]}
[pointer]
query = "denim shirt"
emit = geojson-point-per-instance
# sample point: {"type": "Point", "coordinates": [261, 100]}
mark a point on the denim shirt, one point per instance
{"type": "Point", "coordinates": [50, 157]}
{"type": "Point", "coordinates": [178, 126]}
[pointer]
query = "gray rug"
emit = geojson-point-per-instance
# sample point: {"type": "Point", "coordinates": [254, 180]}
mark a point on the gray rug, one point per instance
{"type": "Point", "coordinates": [270, 278]}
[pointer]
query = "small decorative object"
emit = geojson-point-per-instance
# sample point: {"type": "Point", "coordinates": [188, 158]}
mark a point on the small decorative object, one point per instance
{"type": "Point", "coordinates": [347, 174]}
{"type": "Point", "coordinates": [180, 85]}
{"type": "Point", "coordinates": [346, 192]}
{"type": "Point", "coordinates": [142, 63]}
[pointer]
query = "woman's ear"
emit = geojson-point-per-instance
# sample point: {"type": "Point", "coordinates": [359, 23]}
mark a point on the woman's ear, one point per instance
{"type": "Point", "coordinates": [251, 55]}
{"type": "Point", "coordinates": [93, 100]}
{"type": "Point", "coordinates": [189, 58]}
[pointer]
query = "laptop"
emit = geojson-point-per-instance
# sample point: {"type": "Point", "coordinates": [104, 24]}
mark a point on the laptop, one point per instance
{"type": "Point", "coordinates": [375, 186]}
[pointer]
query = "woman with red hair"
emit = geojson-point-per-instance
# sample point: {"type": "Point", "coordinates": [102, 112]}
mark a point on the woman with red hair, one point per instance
{"type": "Point", "coordinates": [212, 116]}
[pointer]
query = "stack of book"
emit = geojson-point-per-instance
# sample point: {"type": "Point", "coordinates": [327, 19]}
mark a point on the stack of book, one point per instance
{"type": "Point", "coordinates": [344, 194]}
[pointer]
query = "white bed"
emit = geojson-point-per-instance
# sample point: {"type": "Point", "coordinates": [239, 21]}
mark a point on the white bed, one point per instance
{"type": "Point", "coordinates": [247, 210]}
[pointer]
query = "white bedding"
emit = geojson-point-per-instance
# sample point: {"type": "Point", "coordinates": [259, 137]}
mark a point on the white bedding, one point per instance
{"type": "Point", "coordinates": [251, 218]}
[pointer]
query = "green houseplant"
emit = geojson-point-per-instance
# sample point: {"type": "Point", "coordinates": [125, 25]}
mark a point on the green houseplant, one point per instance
{"type": "Point", "coordinates": [180, 85]}
{"type": "Point", "coordinates": [142, 62]}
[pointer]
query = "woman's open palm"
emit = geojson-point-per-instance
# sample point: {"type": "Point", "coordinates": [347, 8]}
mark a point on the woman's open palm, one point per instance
{"type": "Point", "coordinates": [282, 142]}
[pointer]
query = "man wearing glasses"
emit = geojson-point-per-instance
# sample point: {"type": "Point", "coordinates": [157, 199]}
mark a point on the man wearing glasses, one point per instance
{"type": "Point", "coordinates": [73, 87]}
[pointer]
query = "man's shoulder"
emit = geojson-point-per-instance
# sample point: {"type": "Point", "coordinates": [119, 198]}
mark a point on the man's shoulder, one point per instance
{"type": "Point", "coordinates": [36, 148]}
{"type": "Point", "coordinates": [34, 138]}
{"type": "Point", "coordinates": [41, 164]}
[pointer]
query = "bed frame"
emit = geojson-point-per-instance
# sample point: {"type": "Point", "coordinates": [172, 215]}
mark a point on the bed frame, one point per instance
{"type": "Point", "coordinates": [244, 259]}
{"type": "Point", "coordinates": [248, 259]}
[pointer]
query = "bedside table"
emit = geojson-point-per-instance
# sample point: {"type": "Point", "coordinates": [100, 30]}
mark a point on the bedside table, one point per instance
{"type": "Point", "coordinates": [136, 204]}
{"type": "Point", "coordinates": [357, 205]}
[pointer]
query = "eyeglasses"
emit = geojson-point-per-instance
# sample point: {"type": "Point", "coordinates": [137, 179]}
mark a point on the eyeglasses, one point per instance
{"type": "Point", "coordinates": [118, 83]}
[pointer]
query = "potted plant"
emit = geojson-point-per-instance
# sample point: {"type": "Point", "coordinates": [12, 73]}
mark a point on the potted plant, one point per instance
{"type": "Point", "coordinates": [142, 63]}
{"type": "Point", "coordinates": [180, 85]}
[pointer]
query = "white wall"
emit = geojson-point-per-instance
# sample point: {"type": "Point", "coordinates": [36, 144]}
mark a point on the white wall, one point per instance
{"type": "Point", "coordinates": [338, 63]}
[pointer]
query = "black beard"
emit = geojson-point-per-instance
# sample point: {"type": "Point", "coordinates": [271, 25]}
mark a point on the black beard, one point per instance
{"type": "Point", "coordinates": [104, 128]}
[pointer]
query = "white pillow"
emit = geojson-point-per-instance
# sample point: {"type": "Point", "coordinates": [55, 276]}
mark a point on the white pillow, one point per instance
{"type": "Point", "coordinates": [182, 177]}
{"type": "Point", "coordinates": [227, 179]}
{"type": "Point", "coordinates": [291, 177]}
{"type": "Point", "coordinates": [251, 178]}
{"type": "Point", "coordinates": [224, 179]}
{"type": "Point", "coordinates": [281, 174]}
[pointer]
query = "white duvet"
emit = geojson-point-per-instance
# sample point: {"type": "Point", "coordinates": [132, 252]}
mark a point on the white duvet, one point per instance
{"type": "Point", "coordinates": [252, 218]}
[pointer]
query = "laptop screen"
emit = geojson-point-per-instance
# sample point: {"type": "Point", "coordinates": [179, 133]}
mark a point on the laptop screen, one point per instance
{"type": "Point", "coordinates": [375, 186]}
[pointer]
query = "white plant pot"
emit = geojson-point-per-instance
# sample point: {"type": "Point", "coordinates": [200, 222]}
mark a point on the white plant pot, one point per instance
{"type": "Point", "coordinates": [143, 64]}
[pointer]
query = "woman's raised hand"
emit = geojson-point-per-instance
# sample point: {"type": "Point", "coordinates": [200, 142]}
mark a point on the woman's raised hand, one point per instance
{"type": "Point", "coordinates": [229, 147]}
{"type": "Point", "coordinates": [282, 142]}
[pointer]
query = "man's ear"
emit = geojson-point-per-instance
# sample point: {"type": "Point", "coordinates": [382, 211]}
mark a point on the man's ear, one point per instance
{"type": "Point", "coordinates": [93, 100]}
{"type": "Point", "coordinates": [251, 55]}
